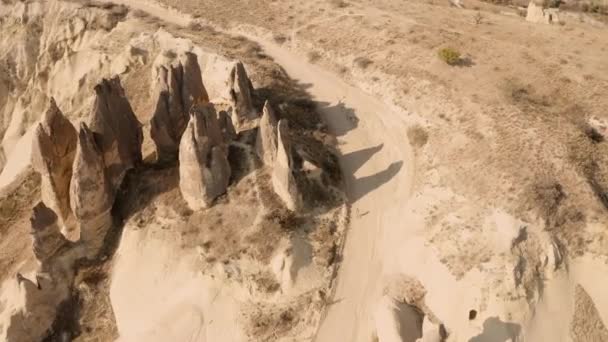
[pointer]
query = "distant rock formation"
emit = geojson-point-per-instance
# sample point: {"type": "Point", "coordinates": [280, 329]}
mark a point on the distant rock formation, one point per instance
{"type": "Point", "coordinates": [204, 169]}
{"type": "Point", "coordinates": [90, 194]}
{"type": "Point", "coordinates": [47, 239]}
{"type": "Point", "coordinates": [266, 144]}
{"type": "Point", "coordinates": [241, 91]}
{"type": "Point", "coordinates": [283, 180]}
{"type": "Point", "coordinates": [53, 151]}
{"type": "Point", "coordinates": [538, 13]}
{"type": "Point", "coordinates": [179, 87]}
{"type": "Point", "coordinates": [118, 131]}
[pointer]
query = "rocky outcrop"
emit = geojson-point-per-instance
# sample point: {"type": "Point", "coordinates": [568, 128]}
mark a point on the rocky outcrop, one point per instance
{"type": "Point", "coordinates": [241, 91]}
{"type": "Point", "coordinates": [178, 87]}
{"type": "Point", "coordinates": [53, 151]}
{"type": "Point", "coordinates": [90, 194]}
{"type": "Point", "coordinates": [46, 236]}
{"type": "Point", "coordinates": [204, 169]}
{"type": "Point", "coordinates": [266, 144]}
{"type": "Point", "coordinates": [283, 180]}
{"type": "Point", "coordinates": [118, 131]}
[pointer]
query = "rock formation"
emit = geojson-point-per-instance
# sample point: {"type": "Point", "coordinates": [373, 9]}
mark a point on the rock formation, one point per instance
{"type": "Point", "coordinates": [241, 91]}
{"type": "Point", "coordinates": [204, 169]}
{"type": "Point", "coordinates": [266, 144]}
{"type": "Point", "coordinates": [227, 127]}
{"type": "Point", "coordinates": [538, 13]}
{"type": "Point", "coordinates": [179, 87]}
{"type": "Point", "coordinates": [47, 239]}
{"type": "Point", "coordinates": [283, 180]}
{"type": "Point", "coordinates": [53, 151]}
{"type": "Point", "coordinates": [117, 129]}
{"type": "Point", "coordinates": [193, 89]}
{"type": "Point", "coordinates": [90, 194]}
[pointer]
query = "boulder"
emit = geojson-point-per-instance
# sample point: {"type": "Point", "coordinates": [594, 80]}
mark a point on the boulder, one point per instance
{"type": "Point", "coordinates": [53, 151]}
{"type": "Point", "coordinates": [118, 131]}
{"type": "Point", "coordinates": [266, 144]}
{"type": "Point", "coordinates": [241, 91]}
{"type": "Point", "coordinates": [47, 239]}
{"type": "Point", "coordinates": [178, 87]}
{"type": "Point", "coordinates": [91, 197]}
{"type": "Point", "coordinates": [283, 180]}
{"type": "Point", "coordinates": [204, 169]}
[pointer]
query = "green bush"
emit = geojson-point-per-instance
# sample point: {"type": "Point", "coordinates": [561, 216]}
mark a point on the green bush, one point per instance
{"type": "Point", "coordinates": [449, 55]}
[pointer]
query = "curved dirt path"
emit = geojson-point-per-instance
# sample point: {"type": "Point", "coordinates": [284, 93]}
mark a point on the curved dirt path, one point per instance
{"type": "Point", "coordinates": [376, 160]}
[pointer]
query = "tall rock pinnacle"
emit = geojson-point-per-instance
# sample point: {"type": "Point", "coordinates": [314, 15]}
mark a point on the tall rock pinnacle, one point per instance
{"type": "Point", "coordinates": [53, 151]}
{"type": "Point", "coordinates": [204, 169]}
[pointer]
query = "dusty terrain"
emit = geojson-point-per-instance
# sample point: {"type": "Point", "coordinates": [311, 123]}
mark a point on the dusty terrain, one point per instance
{"type": "Point", "coordinates": [475, 193]}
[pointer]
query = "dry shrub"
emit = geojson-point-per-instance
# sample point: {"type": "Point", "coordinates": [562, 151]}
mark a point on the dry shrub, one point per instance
{"type": "Point", "coordinates": [449, 55]}
{"type": "Point", "coordinates": [363, 62]}
{"type": "Point", "coordinates": [313, 56]}
{"type": "Point", "coordinates": [339, 3]}
{"type": "Point", "coordinates": [417, 135]}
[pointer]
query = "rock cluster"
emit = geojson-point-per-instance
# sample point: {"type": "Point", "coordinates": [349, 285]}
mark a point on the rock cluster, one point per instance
{"type": "Point", "coordinates": [46, 236]}
{"type": "Point", "coordinates": [178, 87]}
{"type": "Point", "coordinates": [117, 131]}
{"type": "Point", "coordinates": [283, 180]}
{"type": "Point", "coordinates": [241, 91]}
{"type": "Point", "coordinates": [273, 147]}
{"type": "Point", "coordinates": [204, 169]}
{"type": "Point", "coordinates": [53, 151]}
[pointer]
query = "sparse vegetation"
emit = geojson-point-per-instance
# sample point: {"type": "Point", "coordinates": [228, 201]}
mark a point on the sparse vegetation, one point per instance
{"type": "Point", "coordinates": [313, 56]}
{"type": "Point", "coordinates": [339, 3]}
{"type": "Point", "coordinates": [417, 136]}
{"type": "Point", "coordinates": [450, 56]}
{"type": "Point", "coordinates": [363, 62]}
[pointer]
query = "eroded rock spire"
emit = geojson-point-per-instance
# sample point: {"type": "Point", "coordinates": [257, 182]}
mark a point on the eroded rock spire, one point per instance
{"type": "Point", "coordinates": [178, 87]}
{"type": "Point", "coordinates": [283, 180]}
{"type": "Point", "coordinates": [53, 151]}
{"type": "Point", "coordinates": [90, 195]}
{"type": "Point", "coordinates": [204, 169]}
{"type": "Point", "coordinates": [118, 130]}
{"type": "Point", "coordinates": [266, 144]}
{"type": "Point", "coordinates": [241, 92]}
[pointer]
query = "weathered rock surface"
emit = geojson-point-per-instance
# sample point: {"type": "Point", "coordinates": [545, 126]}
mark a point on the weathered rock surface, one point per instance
{"type": "Point", "coordinates": [241, 91]}
{"type": "Point", "coordinates": [283, 180]}
{"type": "Point", "coordinates": [586, 323]}
{"type": "Point", "coordinates": [204, 169]}
{"type": "Point", "coordinates": [179, 87]}
{"type": "Point", "coordinates": [53, 151]}
{"type": "Point", "coordinates": [193, 89]}
{"type": "Point", "coordinates": [46, 236]}
{"type": "Point", "coordinates": [226, 126]}
{"type": "Point", "coordinates": [266, 144]}
{"type": "Point", "coordinates": [118, 131]}
{"type": "Point", "coordinates": [90, 195]}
